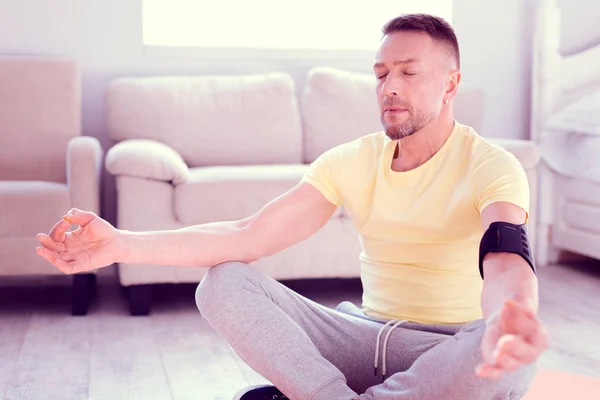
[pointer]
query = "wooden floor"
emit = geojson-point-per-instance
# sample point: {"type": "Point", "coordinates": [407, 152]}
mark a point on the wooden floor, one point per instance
{"type": "Point", "coordinates": [108, 355]}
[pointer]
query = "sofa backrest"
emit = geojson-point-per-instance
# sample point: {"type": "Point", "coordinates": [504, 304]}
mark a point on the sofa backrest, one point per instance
{"type": "Point", "coordinates": [339, 106]}
{"type": "Point", "coordinates": [40, 111]}
{"type": "Point", "coordinates": [211, 120]}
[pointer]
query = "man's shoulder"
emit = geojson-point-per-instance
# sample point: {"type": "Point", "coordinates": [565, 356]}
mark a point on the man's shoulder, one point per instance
{"type": "Point", "coordinates": [487, 158]}
{"type": "Point", "coordinates": [480, 149]}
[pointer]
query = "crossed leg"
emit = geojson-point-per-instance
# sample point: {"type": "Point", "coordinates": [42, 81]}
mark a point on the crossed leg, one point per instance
{"type": "Point", "coordinates": [311, 352]}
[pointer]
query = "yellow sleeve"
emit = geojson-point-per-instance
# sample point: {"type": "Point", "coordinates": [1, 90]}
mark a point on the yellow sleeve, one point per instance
{"type": "Point", "coordinates": [499, 176]}
{"type": "Point", "coordinates": [321, 174]}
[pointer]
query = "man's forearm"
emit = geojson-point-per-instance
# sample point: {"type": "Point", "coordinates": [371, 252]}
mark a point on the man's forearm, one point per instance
{"type": "Point", "coordinates": [515, 281]}
{"type": "Point", "coordinates": [200, 245]}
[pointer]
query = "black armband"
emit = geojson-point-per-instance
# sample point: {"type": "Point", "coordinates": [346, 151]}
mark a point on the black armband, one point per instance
{"type": "Point", "coordinates": [504, 237]}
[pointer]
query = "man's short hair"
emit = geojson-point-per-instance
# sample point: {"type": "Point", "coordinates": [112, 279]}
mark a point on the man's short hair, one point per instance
{"type": "Point", "coordinates": [436, 27]}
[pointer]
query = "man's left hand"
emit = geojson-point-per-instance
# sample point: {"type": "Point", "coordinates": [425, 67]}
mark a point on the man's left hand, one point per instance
{"type": "Point", "coordinates": [513, 338]}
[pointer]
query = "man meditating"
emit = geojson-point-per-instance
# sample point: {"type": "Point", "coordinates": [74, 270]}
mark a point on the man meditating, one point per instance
{"type": "Point", "coordinates": [450, 297]}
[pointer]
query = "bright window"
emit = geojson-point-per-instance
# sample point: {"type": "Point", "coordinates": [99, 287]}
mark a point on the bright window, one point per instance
{"type": "Point", "coordinates": [277, 24]}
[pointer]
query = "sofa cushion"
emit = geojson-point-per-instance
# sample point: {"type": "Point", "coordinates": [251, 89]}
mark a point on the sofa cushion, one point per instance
{"type": "Point", "coordinates": [40, 113]}
{"type": "Point", "coordinates": [31, 207]}
{"type": "Point", "coordinates": [211, 120]}
{"type": "Point", "coordinates": [339, 106]}
{"type": "Point", "coordinates": [224, 193]}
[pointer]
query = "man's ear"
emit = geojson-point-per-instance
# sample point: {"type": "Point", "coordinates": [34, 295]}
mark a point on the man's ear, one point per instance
{"type": "Point", "coordinates": [453, 81]}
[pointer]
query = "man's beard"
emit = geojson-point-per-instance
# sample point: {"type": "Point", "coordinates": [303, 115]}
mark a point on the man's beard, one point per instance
{"type": "Point", "coordinates": [411, 125]}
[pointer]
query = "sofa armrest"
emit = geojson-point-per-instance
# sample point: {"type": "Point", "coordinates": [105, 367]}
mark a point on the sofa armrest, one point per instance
{"type": "Point", "coordinates": [145, 158]}
{"type": "Point", "coordinates": [84, 167]}
{"type": "Point", "coordinates": [526, 151]}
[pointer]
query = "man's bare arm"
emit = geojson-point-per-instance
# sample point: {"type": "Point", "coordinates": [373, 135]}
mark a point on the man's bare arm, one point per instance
{"type": "Point", "coordinates": [283, 222]}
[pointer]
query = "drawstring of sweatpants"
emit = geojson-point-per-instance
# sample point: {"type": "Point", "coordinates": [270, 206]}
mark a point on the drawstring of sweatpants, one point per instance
{"type": "Point", "coordinates": [395, 323]}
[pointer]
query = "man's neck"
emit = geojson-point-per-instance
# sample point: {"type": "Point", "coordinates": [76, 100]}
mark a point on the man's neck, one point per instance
{"type": "Point", "coordinates": [416, 149]}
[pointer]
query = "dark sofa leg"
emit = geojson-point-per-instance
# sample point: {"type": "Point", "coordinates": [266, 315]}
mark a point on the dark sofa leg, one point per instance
{"type": "Point", "coordinates": [139, 297]}
{"type": "Point", "coordinates": [83, 292]}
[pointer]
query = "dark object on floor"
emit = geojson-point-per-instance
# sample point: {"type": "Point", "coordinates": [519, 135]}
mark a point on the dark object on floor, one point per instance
{"type": "Point", "coordinates": [260, 393]}
{"type": "Point", "coordinates": [140, 297]}
{"type": "Point", "coordinates": [83, 292]}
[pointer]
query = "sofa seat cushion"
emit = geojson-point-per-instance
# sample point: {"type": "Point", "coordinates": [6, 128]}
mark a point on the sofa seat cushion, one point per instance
{"type": "Point", "coordinates": [224, 193]}
{"type": "Point", "coordinates": [31, 207]}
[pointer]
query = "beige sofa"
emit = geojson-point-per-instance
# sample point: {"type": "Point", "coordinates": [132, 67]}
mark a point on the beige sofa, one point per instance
{"type": "Point", "coordinates": [46, 167]}
{"type": "Point", "coordinates": [199, 149]}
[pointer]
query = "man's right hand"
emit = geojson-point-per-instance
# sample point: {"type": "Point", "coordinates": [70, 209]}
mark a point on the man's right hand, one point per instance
{"type": "Point", "coordinates": [92, 245]}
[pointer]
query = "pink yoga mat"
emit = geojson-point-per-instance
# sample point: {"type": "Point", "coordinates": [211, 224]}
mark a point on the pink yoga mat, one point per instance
{"type": "Point", "coordinates": [554, 385]}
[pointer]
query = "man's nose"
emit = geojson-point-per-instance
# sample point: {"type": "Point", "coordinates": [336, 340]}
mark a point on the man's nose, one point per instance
{"type": "Point", "coordinates": [392, 86]}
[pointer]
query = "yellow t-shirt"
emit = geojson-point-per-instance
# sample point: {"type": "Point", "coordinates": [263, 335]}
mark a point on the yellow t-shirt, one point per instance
{"type": "Point", "coordinates": [420, 229]}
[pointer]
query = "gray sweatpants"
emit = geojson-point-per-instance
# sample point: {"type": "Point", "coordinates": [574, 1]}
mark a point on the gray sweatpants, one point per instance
{"type": "Point", "coordinates": [311, 352]}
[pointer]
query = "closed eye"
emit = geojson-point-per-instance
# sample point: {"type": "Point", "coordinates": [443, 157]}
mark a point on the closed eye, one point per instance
{"type": "Point", "coordinates": [381, 76]}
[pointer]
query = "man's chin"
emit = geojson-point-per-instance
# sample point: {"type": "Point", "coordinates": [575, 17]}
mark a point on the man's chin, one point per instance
{"type": "Point", "coordinates": [394, 135]}
{"type": "Point", "coordinates": [396, 132]}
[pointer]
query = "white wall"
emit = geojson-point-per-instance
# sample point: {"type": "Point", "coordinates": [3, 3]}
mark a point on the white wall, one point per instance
{"type": "Point", "coordinates": [105, 37]}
